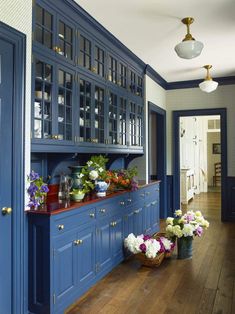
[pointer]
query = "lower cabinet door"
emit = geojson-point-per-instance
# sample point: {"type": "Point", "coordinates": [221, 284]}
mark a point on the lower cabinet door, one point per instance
{"type": "Point", "coordinates": [103, 245]}
{"type": "Point", "coordinates": [128, 223]}
{"type": "Point", "coordinates": [138, 221]}
{"type": "Point", "coordinates": [147, 218]}
{"type": "Point", "coordinates": [85, 245]}
{"type": "Point", "coordinates": [64, 268]}
{"type": "Point", "coordinates": [117, 237]}
{"type": "Point", "coordinates": [155, 215]}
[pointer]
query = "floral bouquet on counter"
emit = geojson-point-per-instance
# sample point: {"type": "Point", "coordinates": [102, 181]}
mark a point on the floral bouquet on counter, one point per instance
{"type": "Point", "coordinates": [94, 170]}
{"type": "Point", "coordinates": [186, 225]}
{"type": "Point", "coordinates": [123, 179]}
{"type": "Point", "coordinates": [37, 190]}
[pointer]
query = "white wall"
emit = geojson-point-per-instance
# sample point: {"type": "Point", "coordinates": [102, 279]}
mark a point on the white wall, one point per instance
{"type": "Point", "coordinates": [157, 95]}
{"type": "Point", "coordinates": [18, 14]}
{"type": "Point", "coordinates": [194, 98]}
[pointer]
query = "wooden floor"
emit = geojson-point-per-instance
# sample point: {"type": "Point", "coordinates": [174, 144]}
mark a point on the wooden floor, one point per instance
{"type": "Point", "coordinates": [205, 284]}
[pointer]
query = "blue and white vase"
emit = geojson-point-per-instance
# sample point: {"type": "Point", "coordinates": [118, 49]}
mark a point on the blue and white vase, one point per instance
{"type": "Point", "coordinates": [101, 188]}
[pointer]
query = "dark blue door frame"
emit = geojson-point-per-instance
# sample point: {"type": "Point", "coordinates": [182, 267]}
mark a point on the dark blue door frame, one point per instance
{"type": "Point", "coordinates": [176, 152]}
{"type": "Point", "coordinates": [161, 154]}
{"type": "Point", "coordinates": [18, 40]}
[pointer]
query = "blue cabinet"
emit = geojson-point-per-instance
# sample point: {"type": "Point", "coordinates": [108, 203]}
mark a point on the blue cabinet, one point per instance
{"type": "Point", "coordinates": [87, 94]}
{"type": "Point", "coordinates": [73, 249]}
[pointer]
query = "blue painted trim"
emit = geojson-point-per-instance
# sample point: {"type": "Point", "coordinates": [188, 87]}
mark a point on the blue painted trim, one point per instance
{"type": "Point", "coordinates": [194, 83]}
{"type": "Point", "coordinates": [155, 76]}
{"type": "Point", "coordinates": [176, 153]}
{"type": "Point", "coordinates": [19, 300]}
{"type": "Point", "coordinates": [230, 206]}
{"type": "Point", "coordinates": [161, 160]}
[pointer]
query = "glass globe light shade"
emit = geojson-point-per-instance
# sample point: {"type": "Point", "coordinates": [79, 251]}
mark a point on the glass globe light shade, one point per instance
{"type": "Point", "coordinates": [208, 86]}
{"type": "Point", "coordinates": [189, 49]}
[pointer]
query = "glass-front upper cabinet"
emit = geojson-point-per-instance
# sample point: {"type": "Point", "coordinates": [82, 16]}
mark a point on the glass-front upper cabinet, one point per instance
{"type": "Point", "coordinates": [42, 103]}
{"type": "Point", "coordinates": [113, 119]}
{"type": "Point", "coordinates": [122, 121]}
{"type": "Point", "coordinates": [136, 124]}
{"type": "Point", "coordinates": [135, 83]}
{"type": "Point", "coordinates": [52, 102]}
{"type": "Point", "coordinates": [91, 112]}
{"type": "Point", "coordinates": [53, 32]}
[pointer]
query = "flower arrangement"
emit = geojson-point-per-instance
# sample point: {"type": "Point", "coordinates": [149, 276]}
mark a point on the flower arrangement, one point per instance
{"type": "Point", "coordinates": [186, 225]}
{"type": "Point", "coordinates": [95, 169]}
{"type": "Point", "coordinates": [37, 190]}
{"type": "Point", "coordinates": [123, 179]}
{"type": "Point", "coordinates": [148, 245]}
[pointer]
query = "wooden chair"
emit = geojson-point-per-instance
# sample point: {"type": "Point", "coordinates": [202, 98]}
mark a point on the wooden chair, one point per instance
{"type": "Point", "coordinates": [217, 175]}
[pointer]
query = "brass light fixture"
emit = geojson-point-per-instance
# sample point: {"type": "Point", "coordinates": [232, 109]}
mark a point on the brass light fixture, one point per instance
{"type": "Point", "coordinates": [208, 85]}
{"type": "Point", "coordinates": [189, 48]}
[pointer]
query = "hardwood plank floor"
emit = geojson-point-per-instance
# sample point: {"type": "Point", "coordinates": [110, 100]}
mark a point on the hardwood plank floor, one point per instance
{"type": "Point", "coordinates": [205, 284]}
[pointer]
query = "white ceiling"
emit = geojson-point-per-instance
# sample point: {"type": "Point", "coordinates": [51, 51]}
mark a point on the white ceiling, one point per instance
{"type": "Point", "coordinates": [152, 28]}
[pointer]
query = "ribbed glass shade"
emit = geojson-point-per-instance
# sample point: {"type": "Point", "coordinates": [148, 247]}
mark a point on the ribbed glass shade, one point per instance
{"type": "Point", "coordinates": [189, 49]}
{"type": "Point", "coordinates": [208, 86]}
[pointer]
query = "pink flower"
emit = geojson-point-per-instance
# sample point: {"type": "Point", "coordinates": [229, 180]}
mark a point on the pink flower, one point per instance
{"type": "Point", "coordinates": [143, 248]}
{"type": "Point", "coordinates": [199, 231]}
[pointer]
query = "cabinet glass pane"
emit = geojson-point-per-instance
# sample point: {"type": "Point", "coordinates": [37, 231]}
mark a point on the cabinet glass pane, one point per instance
{"type": "Point", "coordinates": [113, 119]}
{"type": "Point", "coordinates": [122, 121]}
{"type": "Point", "coordinates": [136, 124]}
{"type": "Point", "coordinates": [85, 111]}
{"type": "Point", "coordinates": [64, 106]}
{"type": "Point", "coordinates": [65, 40]}
{"type": "Point", "coordinates": [42, 100]}
{"type": "Point", "coordinates": [139, 90]}
{"type": "Point", "coordinates": [123, 75]}
{"type": "Point", "coordinates": [85, 53]}
{"type": "Point", "coordinates": [132, 82]}
{"type": "Point", "coordinates": [113, 70]}
{"type": "Point", "coordinates": [99, 61]}
{"type": "Point", "coordinates": [99, 114]}
{"type": "Point", "coordinates": [44, 27]}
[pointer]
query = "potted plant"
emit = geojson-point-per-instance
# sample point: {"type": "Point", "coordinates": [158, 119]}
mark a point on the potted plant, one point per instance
{"type": "Point", "coordinates": [183, 227]}
{"type": "Point", "coordinates": [77, 195]}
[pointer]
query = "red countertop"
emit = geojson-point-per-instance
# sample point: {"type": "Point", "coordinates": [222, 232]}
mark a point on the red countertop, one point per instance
{"type": "Point", "coordinates": [55, 206]}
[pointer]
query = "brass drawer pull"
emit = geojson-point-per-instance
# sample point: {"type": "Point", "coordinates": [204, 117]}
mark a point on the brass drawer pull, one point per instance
{"type": "Point", "coordinates": [103, 210]}
{"type": "Point", "coordinates": [122, 203]}
{"type": "Point", "coordinates": [92, 215]}
{"type": "Point", "coordinates": [77, 242]}
{"type": "Point", "coordinates": [136, 211]}
{"type": "Point", "coordinates": [154, 203]}
{"type": "Point", "coordinates": [142, 195]}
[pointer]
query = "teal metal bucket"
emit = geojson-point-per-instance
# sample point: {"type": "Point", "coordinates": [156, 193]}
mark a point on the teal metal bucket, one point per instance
{"type": "Point", "coordinates": [185, 247]}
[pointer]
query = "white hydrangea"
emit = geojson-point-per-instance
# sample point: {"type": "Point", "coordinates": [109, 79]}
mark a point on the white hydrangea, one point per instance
{"type": "Point", "coordinates": [167, 243]}
{"type": "Point", "coordinates": [178, 212]}
{"type": "Point", "coordinates": [100, 169]}
{"type": "Point", "coordinates": [89, 163]}
{"type": "Point", "coordinates": [152, 248]}
{"type": "Point", "coordinates": [169, 221]}
{"type": "Point", "coordinates": [188, 230]}
{"type": "Point", "coordinates": [93, 175]}
{"type": "Point", "coordinates": [176, 230]}
{"type": "Point", "coordinates": [205, 223]}
{"type": "Point", "coordinates": [133, 243]}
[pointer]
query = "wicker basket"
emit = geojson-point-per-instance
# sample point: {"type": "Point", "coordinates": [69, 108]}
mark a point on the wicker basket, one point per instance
{"type": "Point", "coordinates": [150, 262]}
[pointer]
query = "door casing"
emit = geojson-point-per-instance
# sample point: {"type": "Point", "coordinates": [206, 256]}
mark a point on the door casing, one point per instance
{"type": "Point", "coordinates": [19, 234]}
{"type": "Point", "coordinates": [222, 112]}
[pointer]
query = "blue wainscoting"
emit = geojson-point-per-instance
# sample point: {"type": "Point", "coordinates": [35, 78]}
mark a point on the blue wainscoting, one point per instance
{"type": "Point", "coordinates": [229, 214]}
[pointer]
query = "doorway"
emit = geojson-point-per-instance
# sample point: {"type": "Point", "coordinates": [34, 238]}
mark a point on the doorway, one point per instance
{"type": "Point", "coordinates": [157, 152]}
{"type": "Point", "coordinates": [176, 152]}
{"type": "Point", "coordinates": [12, 220]}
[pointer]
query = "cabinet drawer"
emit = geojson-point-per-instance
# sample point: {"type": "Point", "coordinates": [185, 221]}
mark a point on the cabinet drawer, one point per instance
{"type": "Point", "coordinates": [137, 196]}
{"type": "Point", "coordinates": [72, 220]}
{"type": "Point", "coordinates": [111, 206]}
{"type": "Point", "coordinates": [151, 193]}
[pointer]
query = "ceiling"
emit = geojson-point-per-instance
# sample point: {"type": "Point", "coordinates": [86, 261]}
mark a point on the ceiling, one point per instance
{"type": "Point", "coordinates": [152, 28]}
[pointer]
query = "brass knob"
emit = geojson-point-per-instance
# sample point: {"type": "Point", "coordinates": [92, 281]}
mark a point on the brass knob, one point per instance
{"type": "Point", "coordinates": [6, 210]}
{"type": "Point", "coordinates": [61, 227]}
{"type": "Point", "coordinates": [112, 223]}
{"type": "Point", "coordinates": [92, 215]}
{"type": "Point", "coordinates": [55, 137]}
{"type": "Point", "coordinates": [103, 210]}
{"type": "Point", "coordinates": [94, 70]}
{"type": "Point", "coordinates": [77, 242]}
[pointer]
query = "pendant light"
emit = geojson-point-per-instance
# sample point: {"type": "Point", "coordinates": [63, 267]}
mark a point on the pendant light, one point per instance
{"type": "Point", "coordinates": [208, 85]}
{"type": "Point", "coordinates": [189, 48]}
